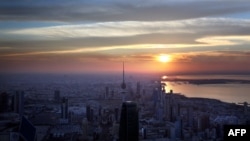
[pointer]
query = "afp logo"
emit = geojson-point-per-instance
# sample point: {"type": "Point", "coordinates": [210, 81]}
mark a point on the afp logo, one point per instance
{"type": "Point", "coordinates": [233, 132]}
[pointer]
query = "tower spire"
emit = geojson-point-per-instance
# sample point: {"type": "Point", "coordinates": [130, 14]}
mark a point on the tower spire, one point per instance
{"type": "Point", "coordinates": [123, 85]}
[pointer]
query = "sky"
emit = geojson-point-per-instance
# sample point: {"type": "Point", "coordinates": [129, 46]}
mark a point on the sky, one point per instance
{"type": "Point", "coordinates": [62, 36]}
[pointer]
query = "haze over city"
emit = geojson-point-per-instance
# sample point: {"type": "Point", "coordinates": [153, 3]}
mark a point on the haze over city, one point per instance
{"type": "Point", "coordinates": [117, 70]}
{"type": "Point", "coordinates": [194, 36]}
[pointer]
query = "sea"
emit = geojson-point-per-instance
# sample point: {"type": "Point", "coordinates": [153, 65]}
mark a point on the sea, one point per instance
{"type": "Point", "coordinates": [226, 92]}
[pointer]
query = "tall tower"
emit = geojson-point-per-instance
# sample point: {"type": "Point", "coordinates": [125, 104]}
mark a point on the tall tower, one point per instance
{"type": "Point", "coordinates": [123, 85]}
{"type": "Point", "coordinates": [129, 122]}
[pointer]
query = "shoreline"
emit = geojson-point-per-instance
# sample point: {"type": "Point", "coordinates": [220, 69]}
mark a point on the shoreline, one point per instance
{"type": "Point", "coordinates": [207, 81]}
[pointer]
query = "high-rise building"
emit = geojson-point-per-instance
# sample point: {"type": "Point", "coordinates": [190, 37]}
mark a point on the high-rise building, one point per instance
{"type": "Point", "coordinates": [88, 112]}
{"type": "Point", "coordinates": [178, 128]}
{"type": "Point", "coordinates": [57, 95]}
{"type": "Point", "coordinates": [100, 111]}
{"type": "Point", "coordinates": [202, 122]}
{"type": "Point", "coordinates": [64, 108]}
{"type": "Point", "coordinates": [27, 130]}
{"type": "Point", "coordinates": [116, 114]}
{"type": "Point", "coordinates": [85, 127]}
{"type": "Point", "coordinates": [138, 88]}
{"type": "Point", "coordinates": [190, 116]}
{"type": "Point", "coordinates": [91, 114]}
{"type": "Point", "coordinates": [18, 102]}
{"type": "Point", "coordinates": [171, 108]}
{"type": "Point", "coordinates": [4, 98]}
{"type": "Point", "coordinates": [9, 136]}
{"type": "Point", "coordinates": [106, 95]}
{"type": "Point", "coordinates": [129, 122]}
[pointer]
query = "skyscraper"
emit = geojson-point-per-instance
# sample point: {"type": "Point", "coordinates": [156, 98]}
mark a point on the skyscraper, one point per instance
{"type": "Point", "coordinates": [129, 122]}
{"type": "Point", "coordinates": [27, 130]}
{"type": "Point", "coordinates": [64, 108]}
{"type": "Point", "coordinates": [116, 114]}
{"type": "Point", "coordinates": [4, 98]}
{"type": "Point", "coordinates": [88, 112]}
{"type": "Point", "coordinates": [18, 102]}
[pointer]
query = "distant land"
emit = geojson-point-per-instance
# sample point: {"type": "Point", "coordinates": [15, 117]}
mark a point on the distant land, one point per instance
{"type": "Point", "coordinates": [207, 81]}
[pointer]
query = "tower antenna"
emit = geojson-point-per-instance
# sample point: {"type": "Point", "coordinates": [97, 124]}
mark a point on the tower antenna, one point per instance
{"type": "Point", "coordinates": [123, 86]}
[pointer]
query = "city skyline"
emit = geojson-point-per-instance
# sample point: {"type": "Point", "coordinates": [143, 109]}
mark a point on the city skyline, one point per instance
{"type": "Point", "coordinates": [197, 36]}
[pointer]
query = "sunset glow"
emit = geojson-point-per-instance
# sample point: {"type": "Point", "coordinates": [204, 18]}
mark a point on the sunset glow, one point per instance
{"type": "Point", "coordinates": [93, 36]}
{"type": "Point", "coordinates": [164, 77]}
{"type": "Point", "coordinates": [164, 58]}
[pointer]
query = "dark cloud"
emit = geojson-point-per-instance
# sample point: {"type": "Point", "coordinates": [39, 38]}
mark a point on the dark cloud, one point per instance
{"type": "Point", "coordinates": [117, 10]}
{"type": "Point", "coordinates": [213, 62]}
{"type": "Point", "coordinates": [220, 57]}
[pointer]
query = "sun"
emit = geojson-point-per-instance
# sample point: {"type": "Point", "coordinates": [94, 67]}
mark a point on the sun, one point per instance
{"type": "Point", "coordinates": [164, 58]}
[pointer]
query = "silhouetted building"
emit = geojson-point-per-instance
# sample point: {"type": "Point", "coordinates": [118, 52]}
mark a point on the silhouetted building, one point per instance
{"type": "Point", "coordinates": [190, 116]}
{"type": "Point", "coordinates": [123, 85]}
{"type": "Point", "coordinates": [155, 97]}
{"type": "Point", "coordinates": [57, 96]}
{"type": "Point", "coordinates": [18, 102]}
{"type": "Point", "coordinates": [88, 112]}
{"type": "Point", "coordinates": [112, 93]}
{"type": "Point", "coordinates": [100, 111]}
{"type": "Point", "coordinates": [202, 122]}
{"type": "Point", "coordinates": [64, 108]}
{"type": "Point", "coordinates": [138, 88]}
{"type": "Point", "coordinates": [27, 130]}
{"type": "Point", "coordinates": [4, 105]}
{"type": "Point", "coordinates": [116, 114]}
{"type": "Point", "coordinates": [106, 92]}
{"type": "Point", "coordinates": [129, 122]}
{"type": "Point", "coordinates": [171, 108]}
{"type": "Point", "coordinates": [245, 104]}
{"type": "Point", "coordinates": [91, 114]}
{"type": "Point", "coordinates": [9, 136]}
{"type": "Point", "coordinates": [178, 128]}
{"type": "Point", "coordinates": [85, 127]}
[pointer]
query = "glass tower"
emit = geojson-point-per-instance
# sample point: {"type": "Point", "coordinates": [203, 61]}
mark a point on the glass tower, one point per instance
{"type": "Point", "coordinates": [129, 122]}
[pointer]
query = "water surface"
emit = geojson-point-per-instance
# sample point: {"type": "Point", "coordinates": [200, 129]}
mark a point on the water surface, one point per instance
{"type": "Point", "coordinates": [227, 92]}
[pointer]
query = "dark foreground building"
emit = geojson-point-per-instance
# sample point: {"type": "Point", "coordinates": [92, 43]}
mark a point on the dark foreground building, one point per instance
{"type": "Point", "coordinates": [129, 122]}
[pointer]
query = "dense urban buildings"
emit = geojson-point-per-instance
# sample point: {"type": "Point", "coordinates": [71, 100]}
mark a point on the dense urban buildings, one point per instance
{"type": "Point", "coordinates": [96, 111]}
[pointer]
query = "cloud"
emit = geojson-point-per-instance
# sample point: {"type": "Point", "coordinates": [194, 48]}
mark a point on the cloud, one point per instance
{"type": "Point", "coordinates": [210, 57]}
{"type": "Point", "coordinates": [113, 10]}
{"type": "Point", "coordinates": [206, 26]}
{"type": "Point", "coordinates": [133, 35]}
{"type": "Point", "coordinates": [107, 29]}
{"type": "Point", "coordinates": [225, 40]}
